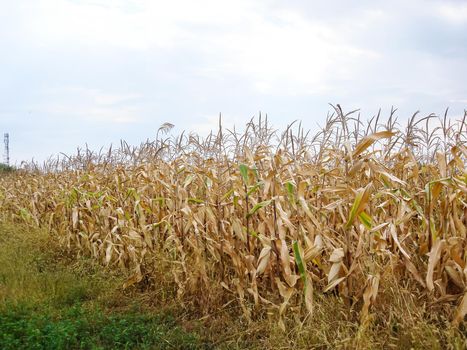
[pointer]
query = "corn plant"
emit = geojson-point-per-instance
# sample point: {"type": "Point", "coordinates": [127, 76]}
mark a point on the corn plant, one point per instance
{"type": "Point", "coordinates": [266, 219]}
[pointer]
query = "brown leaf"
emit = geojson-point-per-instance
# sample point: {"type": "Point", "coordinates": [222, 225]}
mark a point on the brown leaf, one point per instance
{"type": "Point", "coordinates": [367, 141]}
{"type": "Point", "coordinates": [461, 311]}
{"type": "Point", "coordinates": [435, 255]}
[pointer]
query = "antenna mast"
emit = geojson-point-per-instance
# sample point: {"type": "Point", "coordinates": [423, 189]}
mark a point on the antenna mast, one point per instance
{"type": "Point", "coordinates": [7, 148]}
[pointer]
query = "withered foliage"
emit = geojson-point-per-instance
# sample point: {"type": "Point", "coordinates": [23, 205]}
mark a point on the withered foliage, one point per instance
{"type": "Point", "coordinates": [268, 219]}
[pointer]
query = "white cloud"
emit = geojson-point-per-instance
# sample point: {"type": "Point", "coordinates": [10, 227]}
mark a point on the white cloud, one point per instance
{"type": "Point", "coordinates": [464, 101]}
{"type": "Point", "coordinates": [207, 123]}
{"type": "Point", "coordinates": [277, 50]}
{"type": "Point", "coordinates": [291, 55]}
{"type": "Point", "coordinates": [83, 104]}
{"type": "Point", "coordinates": [63, 22]}
{"type": "Point", "coordinates": [453, 12]}
{"type": "Point", "coordinates": [143, 24]}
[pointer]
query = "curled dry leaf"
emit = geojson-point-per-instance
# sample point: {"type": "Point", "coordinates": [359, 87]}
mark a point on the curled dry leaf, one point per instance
{"type": "Point", "coordinates": [263, 260]}
{"type": "Point", "coordinates": [367, 141]}
{"type": "Point", "coordinates": [369, 295]}
{"type": "Point", "coordinates": [435, 255]}
{"type": "Point", "coordinates": [461, 311]}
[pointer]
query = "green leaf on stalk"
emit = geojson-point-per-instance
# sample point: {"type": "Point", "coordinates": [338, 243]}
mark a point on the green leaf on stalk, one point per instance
{"type": "Point", "coordinates": [290, 188]}
{"type": "Point", "coordinates": [228, 194]}
{"type": "Point", "coordinates": [365, 219]}
{"type": "Point", "coordinates": [255, 187]}
{"type": "Point", "coordinates": [359, 204]}
{"type": "Point", "coordinates": [244, 173]}
{"type": "Point", "coordinates": [299, 262]}
{"type": "Point", "coordinates": [195, 200]}
{"type": "Point", "coordinates": [258, 207]}
{"type": "Point", "coordinates": [253, 233]}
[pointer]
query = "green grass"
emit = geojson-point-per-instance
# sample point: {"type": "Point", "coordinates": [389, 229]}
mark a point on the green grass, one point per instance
{"type": "Point", "coordinates": [49, 300]}
{"type": "Point", "coordinates": [80, 328]}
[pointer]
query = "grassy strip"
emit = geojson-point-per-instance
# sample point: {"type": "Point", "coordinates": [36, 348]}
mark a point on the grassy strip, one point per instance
{"type": "Point", "coordinates": [81, 328]}
{"type": "Point", "coordinates": [51, 301]}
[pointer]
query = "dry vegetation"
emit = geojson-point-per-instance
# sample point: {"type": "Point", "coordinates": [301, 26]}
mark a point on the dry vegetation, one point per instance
{"type": "Point", "coordinates": [371, 216]}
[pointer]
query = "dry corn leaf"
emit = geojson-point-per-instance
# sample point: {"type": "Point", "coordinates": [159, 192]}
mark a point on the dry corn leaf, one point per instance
{"type": "Point", "coordinates": [367, 141]}
{"type": "Point", "coordinates": [461, 311]}
{"type": "Point", "coordinates": [435, 255]}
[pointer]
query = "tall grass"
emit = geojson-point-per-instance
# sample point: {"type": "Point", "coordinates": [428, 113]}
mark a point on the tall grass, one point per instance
{"type": "Point", "coordinates": [270, 220]}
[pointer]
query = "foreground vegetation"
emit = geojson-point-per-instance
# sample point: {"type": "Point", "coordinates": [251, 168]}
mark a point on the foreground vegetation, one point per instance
{"type": "Point", "coordinates": [52, 300]}
{"type": "Point", "coordinates": [49, 300]}
{"type": "Point", "coordinates": [353, 237]}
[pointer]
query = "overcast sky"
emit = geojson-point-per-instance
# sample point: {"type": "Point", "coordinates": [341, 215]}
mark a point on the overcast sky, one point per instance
{"type": "Point", "coordinates": [97, 71]}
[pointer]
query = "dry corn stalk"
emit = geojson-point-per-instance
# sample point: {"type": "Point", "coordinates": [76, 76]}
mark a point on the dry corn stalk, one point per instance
{"type": "Point", "coordinates": [272, 219]}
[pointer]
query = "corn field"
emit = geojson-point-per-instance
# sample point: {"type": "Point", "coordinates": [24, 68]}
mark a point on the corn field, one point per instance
{"type": "Point", "coordinates": [268, 220]}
